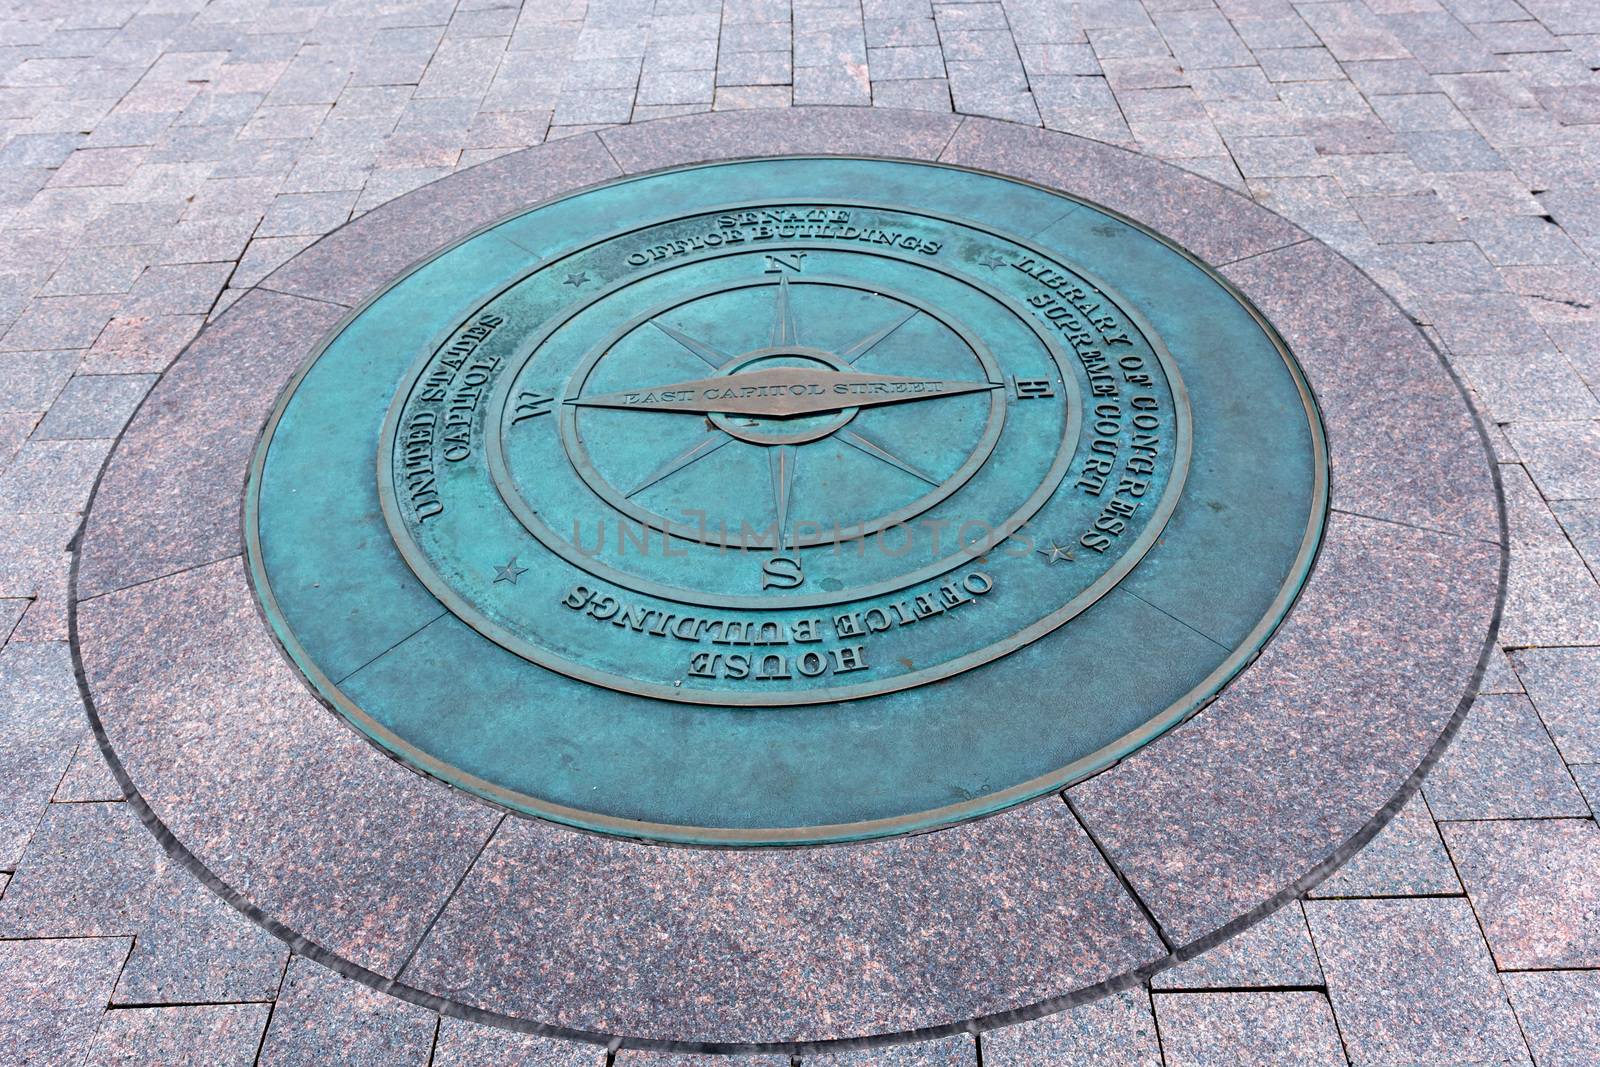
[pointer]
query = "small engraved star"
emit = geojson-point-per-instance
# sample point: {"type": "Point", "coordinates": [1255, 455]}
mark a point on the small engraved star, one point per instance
{"type": "Point", "coordinates": [994, 261]}
{"type": "Point", "coordinates": [579, 279]}
{"type": "Point", "coordinates": [1055, 554]}
{"type": "Point", "coordinates": [510, 572]}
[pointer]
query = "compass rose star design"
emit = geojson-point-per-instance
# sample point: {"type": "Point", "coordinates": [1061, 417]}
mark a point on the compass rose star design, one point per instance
{"type": "Point", "coordinates": [994, 261]}
{"type": "Point", "coordinates": [578, 280]}
{"type": "Point", "coordinates": [510, 572]}
{"type": "Point", "coordinates": [753, 404]}
{"type": "Point", "coordinates": [1055, 554]}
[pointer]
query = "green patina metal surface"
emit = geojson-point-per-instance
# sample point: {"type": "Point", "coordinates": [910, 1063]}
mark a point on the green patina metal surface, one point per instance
{"type": "Point", "coordinates": [787, 501]}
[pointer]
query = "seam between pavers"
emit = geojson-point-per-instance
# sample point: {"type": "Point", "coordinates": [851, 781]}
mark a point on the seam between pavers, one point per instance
{"type": "Point", "coordinates": [1282, 988]}
{"type": "Point", "coordinates": [1387, 896]}
{"type": "Point", "coordinates": [303, 946]}
{"type": "Point", "coordinates": [272, 1008]}
{"type": "Point", "coordinates": [599, 135]}
{"type": "Point", "coordinates": [141, 1005]}
{"type": "Point", "coordinates": [444, 904]}
{"type": "Point", "coordinates": [1264, 251]}
{"type": "Point", "coordinates": [75, 937]}
{"type": "Point", "coordinates": [264, 287]}
{"type": "Point", "coordinates": [1557, 969]}
{"type": "Point", "coordinates": [1155, 1021]}
{"type": "Point", "coordinates": [1116, 871]}
{"type": "Point", "coordinates": [1522, 1031]}
{"type": "Point", "coordinates": [961, 124]}
{"type": "Point", "coordinates": [99, 1024]}
{"type": "Point", "coordinates": [1327, 991]}
{"type": "Point", "coordinates": [1509, 818]}
{"type": "Point", "coordinates": [433, 1039]}
{"type": "Point", "coordinates": [154, 578]}
{"type": "Point", "coordinates": [1455, 535]}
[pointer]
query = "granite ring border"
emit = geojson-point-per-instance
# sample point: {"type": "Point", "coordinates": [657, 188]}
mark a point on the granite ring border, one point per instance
{"type": "Point", "coordinates": [130, 547]}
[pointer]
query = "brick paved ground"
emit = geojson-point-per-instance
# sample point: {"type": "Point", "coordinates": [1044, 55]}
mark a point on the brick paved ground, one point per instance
{"type": "Point", "coordinates": [156, 156]}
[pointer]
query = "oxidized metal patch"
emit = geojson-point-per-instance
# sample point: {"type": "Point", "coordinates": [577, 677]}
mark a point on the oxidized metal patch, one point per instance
{"type": "Point", "coordinates": [842, 499]}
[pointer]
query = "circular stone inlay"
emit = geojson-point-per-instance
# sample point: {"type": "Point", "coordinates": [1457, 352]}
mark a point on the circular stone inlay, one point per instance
{"type": "Point", "coordinates": [786, 501]}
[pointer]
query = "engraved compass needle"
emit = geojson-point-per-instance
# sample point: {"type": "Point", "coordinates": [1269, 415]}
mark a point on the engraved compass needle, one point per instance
{"type": "Point", "coordinates": [781, 460]}
{"type": "Point", "coordinates": [877, 451]}
{"type": "Point", "coordinates": [871, 340]}
{"type": "Point", "coordinates": [779, 392]}
{"type": "Point", "coordinates": [784, 329]}
{"type": "Point", "coordinates": [698, 451]}
{"type": "Point", "coordinates": [700, 348]}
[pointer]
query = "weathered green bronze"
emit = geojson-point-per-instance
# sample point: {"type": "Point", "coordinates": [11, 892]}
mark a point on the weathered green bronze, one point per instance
{"type": "Point", "coordinates": [787, 501]}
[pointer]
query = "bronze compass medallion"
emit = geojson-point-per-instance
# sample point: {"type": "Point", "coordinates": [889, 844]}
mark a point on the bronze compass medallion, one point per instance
{"type": "Point", "coordinates": [788, 501]}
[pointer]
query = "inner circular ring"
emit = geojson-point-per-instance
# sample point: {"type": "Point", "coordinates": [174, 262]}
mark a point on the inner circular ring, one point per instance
{"type": "Point", "coordinates": [731, 425]}
{"type": "Point", "coordinates": [500, 415]}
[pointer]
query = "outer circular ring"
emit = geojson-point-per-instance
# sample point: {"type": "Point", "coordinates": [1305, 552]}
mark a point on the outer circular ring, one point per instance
{"type": "Point", "coordinates": [1415, 551]}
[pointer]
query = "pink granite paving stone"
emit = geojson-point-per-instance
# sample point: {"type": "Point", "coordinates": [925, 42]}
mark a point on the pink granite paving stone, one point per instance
{"type": "Point", "coordinates": [958, 1051]}
{"type": "Point", "coordinates": [1535, 885]}
{"type": "Point", "coordinates": [366, 885]}
{"type": "Point", "coordinates": [91, 870]}
{"type": "Point", "coordinates": [88, 777]}
{"type": "Point", "coordinates": [170, 498]}
{"type": "Point", "coordinates": [780, 931]}
{"type": "Point", "coordinates": [41, 717]}
{"type": "Point", "coordinates": [208, 1035]}
{"type": "Point", "coordinates": [1411, 982]}
{"type": "Point", "coordinates": [1247, 1030]}
{"type": "Point", "coordinates": [641, 1058]}
{"type": "Point", "coordinates": [1551, 598]}
{"type": "Point", "coordinates": [1202, 838]}
{"type": "Point", "coordinates": [1564, 685]}
{"type": "Point", "coordinates": [1276, 951]}
{"type": "Point", "coordinates": [51, 995]}
{"type": "Point", "coordinates": [1406, 859]}
{"type": "Point", "coordinates": [1440, 480]}
{"type": "Point", "coordinates": [826, 131]}
{"type": "Point", "coordinates": [1502, 766]}
{"type": "Point", "coordinates": [1563, 458]}
{"type": "Point", "coordinates": [1225, 229]}
{"type": "Point", "coordinates": [1556, 1010]}
{"type": "Point", "coordinates": [468, 1044]}
{"type": "Point", "coordinates": [1114, 1031]}
{"type": "Point", "coordinates": [324, 1017]}
{"type": "Point", "coordinates": [133, 344]}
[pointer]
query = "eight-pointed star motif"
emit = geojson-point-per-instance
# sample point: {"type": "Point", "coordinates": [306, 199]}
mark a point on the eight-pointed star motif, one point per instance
{"type": "Point", "coordinates": [782, 392]}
